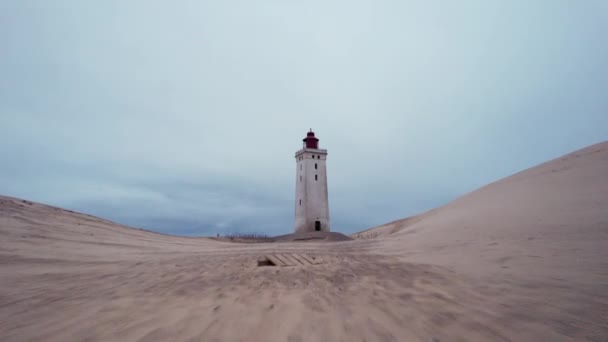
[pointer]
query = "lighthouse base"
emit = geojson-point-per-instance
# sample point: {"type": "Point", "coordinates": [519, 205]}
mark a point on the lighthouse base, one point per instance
{"type": "Point", "coordinates": [313, 236]}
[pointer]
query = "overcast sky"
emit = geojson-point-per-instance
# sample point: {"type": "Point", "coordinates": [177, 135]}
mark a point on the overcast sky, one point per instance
{"type": "Point", "coordinates": [183, 117]}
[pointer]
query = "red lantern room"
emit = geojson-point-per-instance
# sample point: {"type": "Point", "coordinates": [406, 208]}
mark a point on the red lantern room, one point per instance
{"type": "Point", "coordinates": [311, 141]}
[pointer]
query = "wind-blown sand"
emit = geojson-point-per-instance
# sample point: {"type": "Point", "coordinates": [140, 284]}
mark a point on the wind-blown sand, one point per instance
{"type": "Point", "coordinates": [525, 258]}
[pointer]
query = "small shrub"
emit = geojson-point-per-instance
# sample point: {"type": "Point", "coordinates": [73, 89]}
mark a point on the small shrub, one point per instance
{"type": "Point", "coordinates": [247, 237]}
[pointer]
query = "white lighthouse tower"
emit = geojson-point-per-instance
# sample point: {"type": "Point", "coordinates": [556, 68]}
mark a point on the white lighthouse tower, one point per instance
{"type": "Point", "coordinates": [312, 209]}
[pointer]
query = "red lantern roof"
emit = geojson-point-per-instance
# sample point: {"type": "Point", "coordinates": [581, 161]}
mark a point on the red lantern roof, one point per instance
{"type": "Point", "coordinates": [311, 141]}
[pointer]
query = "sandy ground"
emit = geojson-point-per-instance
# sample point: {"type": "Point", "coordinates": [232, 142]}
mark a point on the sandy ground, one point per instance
{"type": "Point", "coordinates": [522, 259]}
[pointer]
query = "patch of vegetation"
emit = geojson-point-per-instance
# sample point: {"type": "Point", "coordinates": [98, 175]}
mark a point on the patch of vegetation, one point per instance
{"type": "Point", "coordinates": [245, 238]}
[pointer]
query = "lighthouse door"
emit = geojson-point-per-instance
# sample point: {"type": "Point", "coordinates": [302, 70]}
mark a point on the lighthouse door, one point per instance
{"type": "Point", "coordinates": [317, 225]}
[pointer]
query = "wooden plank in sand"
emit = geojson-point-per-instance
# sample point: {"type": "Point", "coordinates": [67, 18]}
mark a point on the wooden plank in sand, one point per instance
{"type": "Point", "coordinates": [309, 259]}
{"type": "Point", "coordinates": [284, 260]}
{"type": "Point", "coordinates": [300, 259]}
{"type": "Point", "coordinates": [291, 259]}
{"type": "Point", "coordinates": [275, 261]}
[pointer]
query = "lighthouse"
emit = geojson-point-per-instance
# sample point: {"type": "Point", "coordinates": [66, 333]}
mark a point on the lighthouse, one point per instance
{"type": "Point", "coordinates": [311, 207]}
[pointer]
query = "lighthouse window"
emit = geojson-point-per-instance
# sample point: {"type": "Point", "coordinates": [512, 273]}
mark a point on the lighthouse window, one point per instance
{"type": "Point", "coordinates": [300, 201]}
{"type": "Point", "coordinates": [316, 177]}
{"type": "Point", "coordinates": [315, 166]}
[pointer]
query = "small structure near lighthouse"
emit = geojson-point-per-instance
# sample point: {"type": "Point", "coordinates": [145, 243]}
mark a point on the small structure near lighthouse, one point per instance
{"type": "Point", "coordinates": [311, 202]}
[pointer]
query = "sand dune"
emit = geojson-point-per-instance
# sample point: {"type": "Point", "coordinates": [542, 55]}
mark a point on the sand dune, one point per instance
{"type": "Point", "coordinates": [524, 259]}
